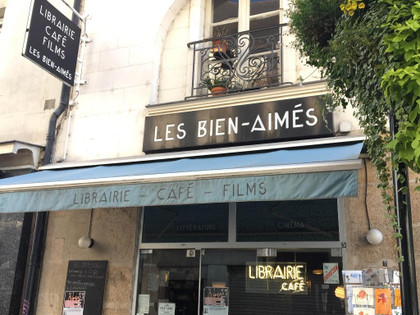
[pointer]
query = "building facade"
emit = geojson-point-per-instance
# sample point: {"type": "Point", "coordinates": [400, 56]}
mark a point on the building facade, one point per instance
{"type": "Point", "coordinates": [244, 201]}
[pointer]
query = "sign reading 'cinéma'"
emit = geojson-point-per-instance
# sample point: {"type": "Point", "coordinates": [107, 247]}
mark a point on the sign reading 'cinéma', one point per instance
{"type": "Point", "coordinates": [271, 121]}
{"type": "Point", "coordinates": [52, 41]}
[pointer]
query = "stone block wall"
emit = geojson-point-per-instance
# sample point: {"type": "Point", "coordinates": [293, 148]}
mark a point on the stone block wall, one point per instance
{"type": "Point", "coordinates": [114, 232]}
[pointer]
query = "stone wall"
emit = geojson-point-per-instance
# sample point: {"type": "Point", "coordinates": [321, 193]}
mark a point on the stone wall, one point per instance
{"type": "Point", "coordinates": [14, 242]}
{"type": "Point", "coordinates": [114, 232]}
{"type": "Point", "coordinates": [360, 254]}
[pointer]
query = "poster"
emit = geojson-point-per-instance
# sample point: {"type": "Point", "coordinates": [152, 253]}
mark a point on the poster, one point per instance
{"type": "Point", "coordinates": [331, 273]}
{"type": "Point", "coordinates": [397, 298]}
{"type": "Point", "coordinates": [383, 301]}
{"type": "Point", "coordinates": [349, 298]}
{"type": "Point", "coordinates": [396, 277]}
{"type": "Point", "coordinates": [363, 311]}
{"type": "Point", "coordinates": [353, 276]}
{"type": "Point", "coordinates": [144, 303]}
{"type": "Point", "coordinates": [74, 302]}
{"type": "Point", "coordinates": [166, 309]}
{"type": "Point", "coordinates": [216, 301]}
{"type": "Point", "coordinates": [363, 296]}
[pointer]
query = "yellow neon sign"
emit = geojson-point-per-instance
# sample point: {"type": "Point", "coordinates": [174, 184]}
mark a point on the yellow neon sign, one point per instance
{"type": "Point", "coordinates": [291, 278]}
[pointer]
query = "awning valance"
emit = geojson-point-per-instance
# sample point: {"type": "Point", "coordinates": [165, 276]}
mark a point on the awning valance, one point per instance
{"type": "Point", "coordinates": [294, 173]}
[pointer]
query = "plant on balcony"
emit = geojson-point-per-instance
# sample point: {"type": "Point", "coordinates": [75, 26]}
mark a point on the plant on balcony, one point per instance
{"type": "Point", "coordinates": [217, 86]}
{"type": "Point", "coordinates": [220, 45]}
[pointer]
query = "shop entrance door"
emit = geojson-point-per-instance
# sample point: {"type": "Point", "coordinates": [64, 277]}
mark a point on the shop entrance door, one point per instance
{"type": "Point", "coordinates": [251, 285]}
{"type": "Point", "coordinates": [169, 280]}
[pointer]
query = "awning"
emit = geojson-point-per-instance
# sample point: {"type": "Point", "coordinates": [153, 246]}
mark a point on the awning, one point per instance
{"type": "Point", "coordinates": [285, 174]}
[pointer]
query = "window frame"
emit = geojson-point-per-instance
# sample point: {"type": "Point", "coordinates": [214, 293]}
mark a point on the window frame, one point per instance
{"type": "Point", "coordinates": [244, 16]}
{"type": "Point", "coordinates": [232, 243]}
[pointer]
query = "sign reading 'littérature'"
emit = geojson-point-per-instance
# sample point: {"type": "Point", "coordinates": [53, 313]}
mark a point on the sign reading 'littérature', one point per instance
{"type": "Point", "coordinates": [52, 41]}
{"type": "Point", "coordinates": [292, 119]}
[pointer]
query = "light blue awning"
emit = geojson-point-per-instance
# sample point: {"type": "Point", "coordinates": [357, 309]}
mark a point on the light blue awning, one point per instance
{"type": "Point", "coordinates": [295, 173]}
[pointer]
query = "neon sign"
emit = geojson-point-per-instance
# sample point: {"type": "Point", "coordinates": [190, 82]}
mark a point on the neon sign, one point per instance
{"type": "Point", "coordinates": [276, 278]}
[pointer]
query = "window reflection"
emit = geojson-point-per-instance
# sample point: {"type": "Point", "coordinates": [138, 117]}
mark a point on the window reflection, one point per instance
{"type": "Point", "coordinates": [262, 6]}
{"type": "Point", "coordinates": [224, 9]}
{"type": "Point", "coordinates": [218, 284]}
{"type": "Point", "coordinates": [303, 220]}
{"type": "Point", "coordinates": [186, 223]}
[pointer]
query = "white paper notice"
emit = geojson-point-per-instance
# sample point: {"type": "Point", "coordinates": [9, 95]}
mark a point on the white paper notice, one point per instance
{"type": "Point", "coordinates": [144, 303]}
{"type": "Point", "coordinates": [166, 309]}
{"type": "Point", "coordinates": [215, 310]}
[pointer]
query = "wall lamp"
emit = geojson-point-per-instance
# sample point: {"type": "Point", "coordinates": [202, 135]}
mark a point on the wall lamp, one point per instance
{"type": "Point", "coordinates": [86, 242]}
{"type": "Point", "coordinates": [374, 237]}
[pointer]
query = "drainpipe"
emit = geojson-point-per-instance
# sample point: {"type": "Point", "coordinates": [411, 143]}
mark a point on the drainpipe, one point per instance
{"type": "Point", "coordinates": [41, 218]}
{"type": "Point", "coordinates": [41, 221]}
{"type": "Point", "coordinates": [403, 212]}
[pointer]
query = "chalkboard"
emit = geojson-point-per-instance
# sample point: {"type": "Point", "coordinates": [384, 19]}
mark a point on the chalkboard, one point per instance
{"type": "Point", "coordinates": [85, 287]}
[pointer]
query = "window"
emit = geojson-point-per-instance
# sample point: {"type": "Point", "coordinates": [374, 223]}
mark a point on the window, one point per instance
{"type": "Point", "coordinates": [186, 223]}
{"type": "Point", "coordinates": [277, 221]}
{"type": "Point", "coordinates": [201, 259]}
{"type": "Point", "coordinates": [244, 49]}
{"type": "Point", "coordinates": [232, 16]}
{"type": "Point", "coordinates": [263, 221]}
{"type": "Point", "coordinates": [2, 10]}
{"type": "Point", "coordinates": [223, 281]}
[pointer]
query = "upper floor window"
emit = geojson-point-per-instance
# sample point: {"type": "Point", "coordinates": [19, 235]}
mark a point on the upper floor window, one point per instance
{"type": "Point", "coordinates": [233, 16]}
{"type": "Point", "coordinates": [2, 10]}
{"type": "Point", "coordinates": [243, 50]}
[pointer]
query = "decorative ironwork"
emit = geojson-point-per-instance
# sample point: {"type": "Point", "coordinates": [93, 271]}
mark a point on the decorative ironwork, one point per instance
{"type": "Point", "coordinates": [237, 62]}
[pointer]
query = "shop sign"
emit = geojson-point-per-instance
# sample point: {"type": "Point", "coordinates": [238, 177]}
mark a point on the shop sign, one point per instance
{"type": "Point", "coordinates": [52, 41]}
{"type": "Point", "coordinates": [234, 189]}
{"type": "Point", "coordinates": [276, 278]}
{"type": "Point", "coordinates": [283, 120]}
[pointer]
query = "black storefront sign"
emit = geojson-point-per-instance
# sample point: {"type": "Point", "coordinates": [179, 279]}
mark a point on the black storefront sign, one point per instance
{"type": "Point", "coordinates": [292, 119]}
{"type": "Point", "coordinates": [53, 41]}
{"type": "Point", "coordinates": [85, 286]}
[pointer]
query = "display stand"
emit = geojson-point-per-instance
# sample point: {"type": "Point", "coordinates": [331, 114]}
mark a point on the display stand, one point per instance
{"type": "Point", "coordinates": [372, 292]}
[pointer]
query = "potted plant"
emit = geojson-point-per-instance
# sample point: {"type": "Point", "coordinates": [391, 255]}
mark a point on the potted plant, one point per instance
{"type": "Point", "coordinates": [217, 86]}
{"type": "Point", "coordinates": [220, 45]}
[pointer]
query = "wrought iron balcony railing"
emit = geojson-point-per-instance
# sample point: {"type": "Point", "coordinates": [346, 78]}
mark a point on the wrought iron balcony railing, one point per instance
{"type": "Point", "coordinates": [238, 62]}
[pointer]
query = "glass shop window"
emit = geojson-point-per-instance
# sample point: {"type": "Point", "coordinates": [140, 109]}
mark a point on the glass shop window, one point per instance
{"type": "Point", "coordinates": [186, 223]}
{"type": "Point", "coordinates": [235, 282]}
{"type": "Point", "coordinates": [287, 221]}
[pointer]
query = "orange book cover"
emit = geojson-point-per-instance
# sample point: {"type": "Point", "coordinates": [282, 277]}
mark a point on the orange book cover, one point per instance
{"type": "Point", "coordinates": [397, 300]}
{"type": "Point", "coordinates": [383, 302]}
